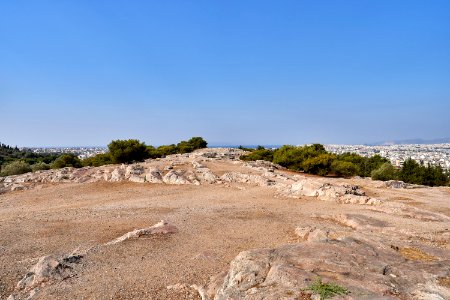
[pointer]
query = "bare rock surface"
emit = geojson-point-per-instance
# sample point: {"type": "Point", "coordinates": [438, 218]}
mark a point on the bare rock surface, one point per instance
{"type": "Point", "coordinates": [162, 227]}
{"type": "Point", "coordinates": [367, 270]}
{"type": "Point", "coordinates": [47, 270]}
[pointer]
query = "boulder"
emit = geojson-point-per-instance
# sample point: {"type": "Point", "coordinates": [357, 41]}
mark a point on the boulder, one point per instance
{"type": "Point", "coordinates": [207, 176]}
{"type": "Point", "coordinates": [134, 169]}
{"type": "Point", "coordinates": [48, 270]}
{"type": "Point", "coordinates": [396, 184]}
{"type": "Point", "coordinates": [175, 177]}
{"type": "Point", "coordinates": [118, 174]}
{"type": "Point", "coordinates": [367, 270]}
{"type": "Point", "coordinates": [154, 175]}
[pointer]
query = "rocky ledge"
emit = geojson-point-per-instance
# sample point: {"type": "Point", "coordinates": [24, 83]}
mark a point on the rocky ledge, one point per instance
{"type": "Point", "coordinates": [191, 169]}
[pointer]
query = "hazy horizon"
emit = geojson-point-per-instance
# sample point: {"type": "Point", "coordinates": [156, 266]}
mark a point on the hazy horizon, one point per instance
{"type": "Point", "coordinates": [252, 72]}
{"type": "Point", "coordinates": [212, 145]}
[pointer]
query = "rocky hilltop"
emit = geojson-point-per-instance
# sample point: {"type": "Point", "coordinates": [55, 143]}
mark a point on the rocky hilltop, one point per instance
{"type": "Point", "coordinates": [231, 230]}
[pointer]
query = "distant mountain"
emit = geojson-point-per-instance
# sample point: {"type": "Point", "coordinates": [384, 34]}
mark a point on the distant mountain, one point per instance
{"type": "Point", "coordinates": [412, 141]}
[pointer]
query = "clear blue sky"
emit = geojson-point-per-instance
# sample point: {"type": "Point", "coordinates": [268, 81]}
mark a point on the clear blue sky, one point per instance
{"type": "Point", "coordinates": [234, 72]}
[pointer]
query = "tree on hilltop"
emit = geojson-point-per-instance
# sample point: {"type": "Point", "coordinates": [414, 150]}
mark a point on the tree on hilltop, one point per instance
{"type": "Point", "coordinates": [127, 151]}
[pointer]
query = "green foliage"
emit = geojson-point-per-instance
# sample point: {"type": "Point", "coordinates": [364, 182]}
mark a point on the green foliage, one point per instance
{"type": "Point", "coordinates": [197, 143]}
{"type": "Point", "coordinates": [435, 176]}
{"type": "Point", "coordinates": [127, 151]}
{"type": "Point", "coordinates": [344, 168]}
{"type": "Point", "coordinates": [245, 148]}
{"type": "Point", "coordinates": [314, 159]}
{"type": "Point", "coordinates": [98, 160]}
{"type": "Point", "coordinates": [293, 157]}
{"type": "Point", "coordinates": [15, 168]}
{"type": "Point", "coordinates": [259, 154]}
{"type": "Point", "coordinates": [191, 145]}
{"type": "Point", "coordinates": [319, 165]}
{"type": "Point", "coordinates": [165, 150]}
{"type": "Point", "coordinates": [385, 172]}
{"type": "Point", "coordinates": [413, 172]}
{"type": "Point", "coordinates": [289, 156]}
{"type": "Point", "coordinates": [365, 164]}
{"type": "Point", "coordinates": [373, 163]}
{"type": "Point", "coordinates": [40, 166]}
{"type": "Point", "coordinates": [9, 154]}
{"type": "Point", "coordinates": [326, 290]}
{"type": "Point", "coordinates": [67, 160]}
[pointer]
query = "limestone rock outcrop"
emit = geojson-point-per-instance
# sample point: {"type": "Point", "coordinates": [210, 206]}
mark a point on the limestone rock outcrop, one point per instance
{"type": "Point", "coordinates": [47, 270]}
{"type": "Point", "coordinates": [162, 227]}
{"type": "Point", "coordinates": [367, 270]}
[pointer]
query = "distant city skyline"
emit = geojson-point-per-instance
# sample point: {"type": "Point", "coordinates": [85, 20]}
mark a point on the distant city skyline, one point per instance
{"type": "Point", "coordinates": [235, 72]}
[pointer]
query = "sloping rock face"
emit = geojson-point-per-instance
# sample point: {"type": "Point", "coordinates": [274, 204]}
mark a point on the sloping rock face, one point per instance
{"type": "Point", "coordinates": [368, 270]}
{"type": "Point", "coordinates": [47, 270]}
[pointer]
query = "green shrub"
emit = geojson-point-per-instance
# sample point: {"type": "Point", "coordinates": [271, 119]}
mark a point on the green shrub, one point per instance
{"type": "Point", "coordinates": [190, 145]}
{"type": "Point", "coordinates": [435, 176]}
{"type": "Point", "coordinates": [319, 165]}
{"type": "Point", "coordinates": [245, 148]}
{"type": "Point", "coordinates": [344, 168]}
{"type": "Point", "coordinates": [197, 143]}
{"type": "Point", "coordinates": [365, 164]}
{"type": "Point", "coordinates": [385, 172]}
{"type": "Point", "coordinates": [413, 172]}
{"type": "Point", "coordinates": [127, 151]}
{"type": "Point", "coordinates": [15, 168]}
{"type": "Point", "coordinates": [326, 290]}
{"type": "Point", "coordinates": [67, 160]}
{"type": "Point", "coordinates": [294, 157]}
{"type": "Point", "coordinates": [40, 166]}
{"type": "Point", "coordinates": [259, 154]}
{"type": "Point", "coordinates": [97, 160]}
{"type": "Point", "coordinates": [184, 147]}
{"type": "Point", "coordinates": [373, 163]}
{"type": "Point", "coordinates": [289, 156]}
{"type": "Point", "coordinates": [165, 150]}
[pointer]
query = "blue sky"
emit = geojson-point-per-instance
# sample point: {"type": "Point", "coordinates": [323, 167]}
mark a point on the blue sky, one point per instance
{"type": "Point", "coordinates": [234, 72]}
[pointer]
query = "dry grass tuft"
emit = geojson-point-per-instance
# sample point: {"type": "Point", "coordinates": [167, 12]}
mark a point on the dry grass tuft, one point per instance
{"type": "Point", "coordinates": [416, 254]}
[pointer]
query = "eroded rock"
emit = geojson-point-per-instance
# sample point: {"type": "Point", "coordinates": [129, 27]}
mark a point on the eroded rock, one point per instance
{"type": "Point", "coordinates": [163, 227]}
{"type": "Point", "coordinates": [176, 177]}
{"type": "Point", "coordinates": [359, 266]}
{"type": "Point", "coordinates": [48, 270]}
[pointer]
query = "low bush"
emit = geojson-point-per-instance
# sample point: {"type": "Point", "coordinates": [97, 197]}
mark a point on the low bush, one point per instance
{"type": "Point", "coordinates": [40, 166]}
{"type": "Point", "coordinates": [15, 168]}
{"type": "Point", "coordinates": [385, 172]}
{"type": "Point", "coordinates": [127, 151]}
{"type": "Point", "coordinates": [365, 164]}
{"type": "Point", "coordinates": [319, 165]}
{"type": "Point", "coordinates": [344, 168]}
{"type": "Point", "coordinates": [67, 160]}
{"type": "Point", "coordinates": [413, 172]}
{"type": "Point", "coordinates": [98, 160]}
{"type": "Point", "coordinates": [259, 154]}
{"type": "Point", "coordinates": [326, 290]}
